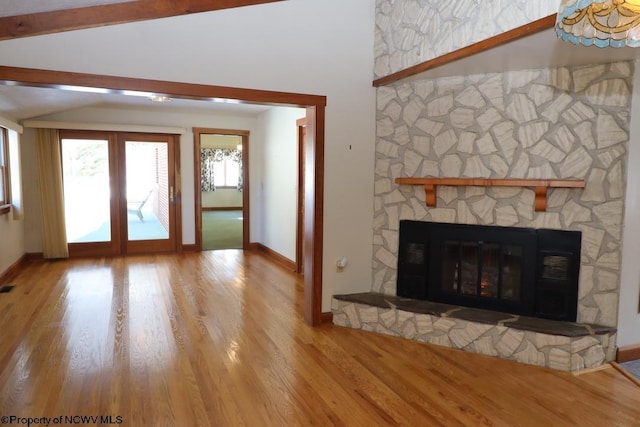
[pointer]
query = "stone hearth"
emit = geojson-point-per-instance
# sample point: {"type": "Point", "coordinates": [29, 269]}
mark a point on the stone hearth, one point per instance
{"type": "Point", "coordinates": [563, 346]}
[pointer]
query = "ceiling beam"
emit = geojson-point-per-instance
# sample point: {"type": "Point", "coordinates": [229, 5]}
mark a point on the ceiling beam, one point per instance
{"type": "Point", "coordinates": [143, 87]}
{"type": "Point", "coordinates": [96, 16]}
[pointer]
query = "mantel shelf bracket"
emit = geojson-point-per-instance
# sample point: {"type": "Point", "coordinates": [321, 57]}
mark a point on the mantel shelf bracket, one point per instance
{"type": "Point", "coordinates": [540, 186]}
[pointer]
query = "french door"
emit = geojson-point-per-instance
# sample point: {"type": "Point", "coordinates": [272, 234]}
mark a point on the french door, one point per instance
{"type": "Point", "coordinates": [120, 192]}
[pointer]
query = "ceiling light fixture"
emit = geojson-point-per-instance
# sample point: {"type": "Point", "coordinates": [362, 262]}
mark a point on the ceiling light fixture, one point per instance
{"type": "Point", "coordinates": [136, 93]}
{"type": "Point", "coordinates": [86, 89]}
{"type": "Point", "coordinates": [602, 23]}
{"type": "Point", "coordinates": [159, 98]}
{"type": "Point", "coordinates": [225, 100]}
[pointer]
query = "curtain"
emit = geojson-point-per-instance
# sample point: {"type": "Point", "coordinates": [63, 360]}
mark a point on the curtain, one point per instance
{"type": "Point", "coordinates": [207, 183]}
{"type": "Point", "coordinates": [240, 174]}
{"type": "Point", "coordinates": [208, 159]}
{"type": "Point", "coordinates": [54, 233]}
{"type": "Point", "coordinates": [236, 156]}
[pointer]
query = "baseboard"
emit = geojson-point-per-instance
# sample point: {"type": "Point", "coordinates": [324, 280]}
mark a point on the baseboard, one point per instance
{"type": "Point", "coordinates": [189, 248]}
{"type": "Point", "coordinates": [326, 318]}
{"type": "Point", "coordinates": [591, 370]}
{"type": "Point", "coordinates": [274, 256]}
{"type": "Point", "coordinates": [34, 256]}
{"type": "Point", "coordinates": [223, 208]}
{"type": "Point", "coordinates": [13, 269]}
{"type": "Point", "coordinates": [628, 353]}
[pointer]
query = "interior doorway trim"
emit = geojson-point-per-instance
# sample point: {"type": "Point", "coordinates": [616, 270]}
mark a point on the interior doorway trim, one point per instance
{"type": "Point", "coordinates": [313, 153]}
{"type": "Point", "coordinates": [301, 125]}
{"type": "Point", "coordinates": [197, 158]}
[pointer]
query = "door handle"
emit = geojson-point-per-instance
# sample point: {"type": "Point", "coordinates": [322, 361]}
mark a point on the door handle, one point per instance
{"type": "Point", "coordinates": [171, 195]}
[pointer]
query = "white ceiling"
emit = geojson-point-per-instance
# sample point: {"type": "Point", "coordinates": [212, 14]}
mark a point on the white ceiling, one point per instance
{"type": "Point", "coordinates": [20, 103]}
{"type": "Point", "coordinates": [538, 51]}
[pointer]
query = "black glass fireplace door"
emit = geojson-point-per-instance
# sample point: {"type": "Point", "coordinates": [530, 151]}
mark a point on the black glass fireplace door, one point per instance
{"type": "Point", "coordinates": [482, 269]}
{"type": "Point", "coordinates": [474, 266]}
{"type": "Point", "coordinates": [533, 272]}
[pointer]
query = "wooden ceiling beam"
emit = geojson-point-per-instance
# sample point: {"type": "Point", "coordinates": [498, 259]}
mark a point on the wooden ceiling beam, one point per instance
{"type": "Point", "coordinates": [15, 76]}
{"type": "Point", "coordinates": [118, 13]}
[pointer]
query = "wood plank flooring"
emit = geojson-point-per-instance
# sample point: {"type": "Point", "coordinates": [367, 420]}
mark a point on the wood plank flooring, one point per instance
{"type": "Point", "coordinates": [217, 339]}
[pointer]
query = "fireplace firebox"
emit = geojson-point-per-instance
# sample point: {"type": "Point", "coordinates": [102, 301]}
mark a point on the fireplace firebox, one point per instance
{"type": "Point", "coordinates": [525, 271]}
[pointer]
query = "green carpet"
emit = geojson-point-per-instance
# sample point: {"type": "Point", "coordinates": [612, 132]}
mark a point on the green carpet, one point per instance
{"type": "Point", "coordinates": [221, 230]}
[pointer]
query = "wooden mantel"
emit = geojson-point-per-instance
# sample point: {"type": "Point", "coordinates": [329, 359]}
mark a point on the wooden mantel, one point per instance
{"type": "Point", "coordinates": [540, 186]}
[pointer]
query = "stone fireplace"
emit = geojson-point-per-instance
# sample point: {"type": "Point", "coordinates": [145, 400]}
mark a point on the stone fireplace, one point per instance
{"type": "Point", "coordinates": [564, 123]}
{"type": "Point", "coordinates": [509, 292]}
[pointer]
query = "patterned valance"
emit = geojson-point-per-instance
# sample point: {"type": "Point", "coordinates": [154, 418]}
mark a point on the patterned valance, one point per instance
{"type": "Point", "coordinates": [219, 154]}
{"type": "Point", "coordinates": [208, 158]}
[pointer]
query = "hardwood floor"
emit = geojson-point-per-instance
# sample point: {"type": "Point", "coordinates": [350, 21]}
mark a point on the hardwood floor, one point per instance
{"type": "Point", "coordinates": [217, 338]}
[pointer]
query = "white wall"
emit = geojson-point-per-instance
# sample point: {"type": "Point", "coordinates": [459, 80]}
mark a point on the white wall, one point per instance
{"type": "Point", "coordinates": [134, 117]}
{"type": "Point", "coordinates": [628, 311]}
{"type": "Point", "coordinates": [278, 187]}
{"type": "Point", "coordinates": [12, 247]}
{"type": "Point", "coordinates": [321, 47]}
{"type": "Point", "coordinates": [31, 191]}
{"type": "Point", "coordinates": [11, 226]}
{"type": "Point", "coordinates": [222, 198]}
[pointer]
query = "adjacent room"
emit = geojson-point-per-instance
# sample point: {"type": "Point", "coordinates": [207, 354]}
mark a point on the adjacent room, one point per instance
{"type": "Point", "coordinates": [222, 208]}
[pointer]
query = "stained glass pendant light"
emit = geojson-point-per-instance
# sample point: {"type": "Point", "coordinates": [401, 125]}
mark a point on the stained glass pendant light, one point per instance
{"type": "Point", "coordinates": [601, 23]}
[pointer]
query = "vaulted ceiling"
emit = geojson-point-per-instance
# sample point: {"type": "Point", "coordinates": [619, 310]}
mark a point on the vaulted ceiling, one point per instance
{"type": "Point", "coordinates": [23, 18]}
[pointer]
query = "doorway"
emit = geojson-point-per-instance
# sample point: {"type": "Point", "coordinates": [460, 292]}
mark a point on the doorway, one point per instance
{"type": "Point", "coordinates": [120, 192]}
{"type": "Point", "coordinates": [221, 166]}
{"type": "Point", "coordinates": [313, 153]}
{"type": "Point", "coordinates": [221, 188]}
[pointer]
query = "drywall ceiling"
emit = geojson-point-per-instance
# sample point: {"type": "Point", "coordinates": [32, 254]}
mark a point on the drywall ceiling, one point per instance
{"type": "Point", "coordinates": [537, 51]}
{"type": "Point", "coordinates": [21, 103]}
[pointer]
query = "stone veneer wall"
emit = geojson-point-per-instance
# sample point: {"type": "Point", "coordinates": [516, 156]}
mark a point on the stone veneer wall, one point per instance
{"type": "Point", "coordinates": [409, 32]}
{"type": "Point", "coordinates": [560, 123]}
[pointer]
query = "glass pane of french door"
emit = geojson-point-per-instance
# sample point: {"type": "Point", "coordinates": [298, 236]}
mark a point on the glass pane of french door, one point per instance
{"type": "Point", "coordinates": [87, 194]}
{"type": "Point", "coordinates": [147, 190]}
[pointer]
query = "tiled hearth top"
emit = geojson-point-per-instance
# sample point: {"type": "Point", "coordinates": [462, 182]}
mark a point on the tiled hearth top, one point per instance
{"type": "Point", "coordinates": [524, 323]}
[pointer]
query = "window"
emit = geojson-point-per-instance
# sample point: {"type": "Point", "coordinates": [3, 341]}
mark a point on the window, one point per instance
{"type": "Point", "coordinates": [226, 173]}
{"type": "Point", "coordinates": [220, 168]}
{"type": "Point", "coordinates": [5, 198]}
